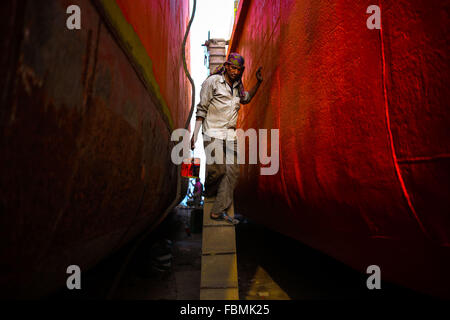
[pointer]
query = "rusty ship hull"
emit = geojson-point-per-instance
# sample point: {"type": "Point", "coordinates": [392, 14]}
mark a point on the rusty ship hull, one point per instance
{"type": "Point", "coordinates": [86, 119]}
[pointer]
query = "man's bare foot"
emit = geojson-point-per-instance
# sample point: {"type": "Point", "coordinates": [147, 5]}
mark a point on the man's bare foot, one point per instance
{"type": "Point", "coordinates": [225, 217]}
{"type": "Point", "coordinates": [216, 215]}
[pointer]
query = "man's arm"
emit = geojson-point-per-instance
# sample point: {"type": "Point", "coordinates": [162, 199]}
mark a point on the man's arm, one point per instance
{"type": "Point", "coordinates": [198, 124]}
{"type": "Point", "coordinates": [206, 94]}
{"type": "Point", "coordinates": [255, 88]}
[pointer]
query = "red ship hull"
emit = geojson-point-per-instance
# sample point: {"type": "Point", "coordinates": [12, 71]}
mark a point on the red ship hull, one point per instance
{"type": "Point", "coordinates": [364, 126]}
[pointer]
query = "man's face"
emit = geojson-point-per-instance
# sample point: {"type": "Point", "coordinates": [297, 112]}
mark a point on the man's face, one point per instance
{"type": "Point", "coordinates": [234, 72]}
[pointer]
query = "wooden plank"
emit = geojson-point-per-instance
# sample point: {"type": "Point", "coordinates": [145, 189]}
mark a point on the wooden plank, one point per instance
{"type": "Point", "coordinates": [219, 294]}
{"type": "Point", "coordinates": [218, 240]}
{"type": "Point", "coordinates": [219, 279]}
{"type": "Point", "coordinates": [219, 271]}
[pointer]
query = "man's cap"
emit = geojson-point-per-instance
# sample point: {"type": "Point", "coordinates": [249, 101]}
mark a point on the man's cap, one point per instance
{"type": "Point", "coordinates": [236, 59]}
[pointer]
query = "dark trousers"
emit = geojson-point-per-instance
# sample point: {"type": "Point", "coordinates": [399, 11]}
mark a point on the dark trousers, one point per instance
{"type": "Point", "coordinates": [221, 178]}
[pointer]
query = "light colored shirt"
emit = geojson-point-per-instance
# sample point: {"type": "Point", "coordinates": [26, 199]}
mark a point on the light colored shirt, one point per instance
{"type": "Point", "coordinates": [219, 107]}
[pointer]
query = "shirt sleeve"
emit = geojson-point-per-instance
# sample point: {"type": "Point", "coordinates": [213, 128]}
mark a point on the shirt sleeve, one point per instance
{"type": "Point", "coordinates": [206, 95]}
{"type": "Point", "coordinates": [246, 98]}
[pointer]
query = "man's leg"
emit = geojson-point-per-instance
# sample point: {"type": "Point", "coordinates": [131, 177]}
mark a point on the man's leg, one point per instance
{"type": "Point", "coordinates": [224, 197]}
{"type": "Point", "coordinates": [197, 200]}
{"type": "Point", "coordinates": [214, 171]}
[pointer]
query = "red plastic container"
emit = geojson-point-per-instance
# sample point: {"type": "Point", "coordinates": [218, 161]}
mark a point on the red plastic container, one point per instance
{"type": "Point", "coordinates": [190, 168]}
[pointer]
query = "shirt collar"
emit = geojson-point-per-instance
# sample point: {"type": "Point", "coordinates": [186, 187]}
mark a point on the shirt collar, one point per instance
{"type": "Point", "coordinates": [222, 78]}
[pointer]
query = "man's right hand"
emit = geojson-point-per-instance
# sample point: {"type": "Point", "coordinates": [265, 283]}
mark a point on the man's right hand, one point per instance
{"type": "Point", "coordinates": [198, 124]}
{"type": "Point", "coordinates": [193, 140]}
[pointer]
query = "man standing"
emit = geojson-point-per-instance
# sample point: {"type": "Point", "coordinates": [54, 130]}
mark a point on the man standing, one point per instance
{"type": "Point", "coordinates": [220, 98]}
{"type": "Point", "coordinates": [198, 191]}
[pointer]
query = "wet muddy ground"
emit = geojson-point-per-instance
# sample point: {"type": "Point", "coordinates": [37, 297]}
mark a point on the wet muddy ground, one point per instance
{"type": "Point", "coordinates": [270, 267]}
{"type": "Point", "coordinates": [176, 276]}
{"type": "Point", "coordinates": [275, 267]}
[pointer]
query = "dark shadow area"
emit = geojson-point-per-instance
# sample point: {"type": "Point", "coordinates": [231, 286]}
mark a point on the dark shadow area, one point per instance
{"type": "Point", "coordinates": [300, 271]}
{"type": "Point", "coordinates": [166, 266]}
